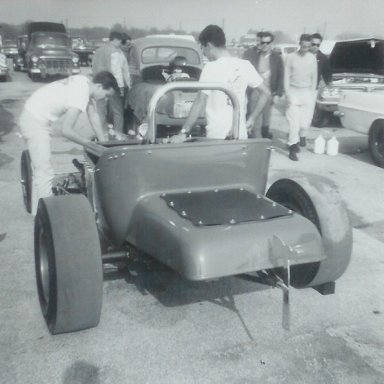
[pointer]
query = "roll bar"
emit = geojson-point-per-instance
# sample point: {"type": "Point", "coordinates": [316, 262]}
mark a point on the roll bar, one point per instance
{"type": "Point", "coordinates": [191, 85]}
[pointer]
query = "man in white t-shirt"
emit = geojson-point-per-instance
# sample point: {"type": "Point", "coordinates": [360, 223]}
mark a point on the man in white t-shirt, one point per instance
{"type": "Point", "coordinates": [300, 83]}
{"type": "Point", "coordinates": [236, 73]}
{"type": "Point", "coordinates": [66, 98]}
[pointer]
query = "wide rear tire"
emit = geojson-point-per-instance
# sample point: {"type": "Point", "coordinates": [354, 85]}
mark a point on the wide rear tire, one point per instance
{"type": "Point", "coordinates": [26, 180]}
{"type": "Point", "coordinates": [319, 203]}
{"type": "Point", "coordinates": [376, 143]}
{"type": "Point", "coordinates": [68, 264]}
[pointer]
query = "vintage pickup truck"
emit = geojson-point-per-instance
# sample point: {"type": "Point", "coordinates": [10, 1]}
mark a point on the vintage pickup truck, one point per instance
{"type": "Point", "coordinates": [200, 207]}
{"type": "Point", "coordinates": [48, 51]}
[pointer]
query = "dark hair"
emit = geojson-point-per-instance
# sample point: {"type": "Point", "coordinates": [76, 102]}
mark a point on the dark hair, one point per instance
{"type": "Point", "coordinates": [212, 34]}
{"type": "Point", "coordinates": [267, 34]}
{"type": "Point", "coordinates": [317, 36]}
{"type": "Point", "coordinates": [114, 35]}
{"type": "Point", "coordinates": [125, 38]}
{"type": "Point", "coordinates": [106, 79]}
{"type": "Point", "coordinates": [305, 37]}
{"type": "Point", "coordinates": [260, 34]}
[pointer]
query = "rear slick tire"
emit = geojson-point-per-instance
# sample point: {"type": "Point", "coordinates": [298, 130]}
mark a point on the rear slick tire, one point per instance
{"type": "Point", "coordinates": [68, 264]}
{"type": "Point", "coordinates": [319, 203]}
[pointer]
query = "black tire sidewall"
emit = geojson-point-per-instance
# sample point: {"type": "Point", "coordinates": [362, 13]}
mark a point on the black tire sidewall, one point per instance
{"type": "Point", "coordinates": [26, 176]}
{"type": "Point", "coordinates": [374, 134]}
{"type": "Point", "coordinates": [42, 222]}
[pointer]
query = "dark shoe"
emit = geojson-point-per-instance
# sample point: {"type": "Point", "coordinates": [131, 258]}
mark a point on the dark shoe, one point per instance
{"type": "Point", "coordinates": [303, 141]}
{"type": "Point", "coordinates": [297, 147]}
{"type": "Point", "coordinates": [293, 153]}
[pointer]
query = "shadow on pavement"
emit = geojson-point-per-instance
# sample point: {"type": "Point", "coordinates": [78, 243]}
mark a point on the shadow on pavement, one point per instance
{"type": "Point", "coordinates": [6, 118]}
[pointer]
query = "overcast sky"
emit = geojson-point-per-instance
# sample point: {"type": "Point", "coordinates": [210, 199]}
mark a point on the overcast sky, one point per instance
{"type": "Point", "coordinates": [237, 16]}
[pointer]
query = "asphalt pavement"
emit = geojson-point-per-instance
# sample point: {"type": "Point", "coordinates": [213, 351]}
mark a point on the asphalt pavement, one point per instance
{"type": "Point", "coordinates": [158, 328]}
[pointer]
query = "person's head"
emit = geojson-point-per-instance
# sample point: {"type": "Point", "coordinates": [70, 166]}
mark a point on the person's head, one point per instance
{"type": "Point", "coordinates": [115, 38]}
{"type": "Point", "coordinates": [316, 40]}
{"type": "Point", "coordinates": [305, 43]}
{"type": "Point", "coordinates": [258, 39]}
{"type": "Point", "coordinates": [126, 43]}
{"type": "Point", "coordinates": [104, 85]}
{"type": "Point", "coordinates": [212, 40]}
{"type": "Point", "coordinates": [266, 40]}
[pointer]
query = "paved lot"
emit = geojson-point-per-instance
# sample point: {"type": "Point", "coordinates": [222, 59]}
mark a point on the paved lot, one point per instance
{"type": "Point", "coordinates": [158, 328]}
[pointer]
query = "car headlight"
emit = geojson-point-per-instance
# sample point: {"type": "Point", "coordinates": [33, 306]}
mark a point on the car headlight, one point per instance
{"type": "Point", "coordinates": [75, 59]}
{"type": "Point", "coordinates": [35, 59]}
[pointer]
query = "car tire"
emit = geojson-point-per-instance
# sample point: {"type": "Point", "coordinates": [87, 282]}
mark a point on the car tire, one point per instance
{"type": "Point", "coordinates": [321, 204]}
{"type": "Point", "coordinates": [376, 143]}
{"type": "Point", "coordinates": [26, 179]}
{"type": "Point", "coordinates": [68, 264]}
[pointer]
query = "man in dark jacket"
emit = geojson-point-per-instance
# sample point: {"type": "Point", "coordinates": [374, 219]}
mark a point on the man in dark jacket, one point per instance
{"type": "Point", "coordinates": [270, 66]}
{"type": "Point", "coordinates": [324, 74]}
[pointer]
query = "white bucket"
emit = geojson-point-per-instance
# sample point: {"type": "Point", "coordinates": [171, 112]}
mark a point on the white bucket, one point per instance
{"type": "Point", "coordinates": [332, 146]}
{"type": "Point", "coordinates": [319, 145]}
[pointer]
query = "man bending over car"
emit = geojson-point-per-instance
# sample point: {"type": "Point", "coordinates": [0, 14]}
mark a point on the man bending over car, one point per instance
{"type": "Point", "coordinates": [66, 98]}
{"type": "Point", "coordinates": [236, 73]}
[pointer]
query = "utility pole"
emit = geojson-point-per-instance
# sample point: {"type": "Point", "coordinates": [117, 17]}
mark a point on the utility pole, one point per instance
{"type": "Point", "coordinates": [223, 24]}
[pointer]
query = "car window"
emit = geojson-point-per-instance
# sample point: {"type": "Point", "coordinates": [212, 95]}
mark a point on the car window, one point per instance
{"type": "Point", "coordinates": [166, 54]}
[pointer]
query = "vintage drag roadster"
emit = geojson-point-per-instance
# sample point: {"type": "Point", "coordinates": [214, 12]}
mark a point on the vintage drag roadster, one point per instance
{"type": "Point", "coordinates": [199, 207]}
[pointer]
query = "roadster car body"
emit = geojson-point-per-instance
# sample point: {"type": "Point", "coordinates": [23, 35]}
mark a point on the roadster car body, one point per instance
{"type": "Point", "coordinates": [200, 207]}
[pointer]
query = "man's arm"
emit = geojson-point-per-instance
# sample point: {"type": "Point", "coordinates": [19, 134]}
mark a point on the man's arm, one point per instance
{"type": "Point", "coordinates": [264, 95]}
{"type": "Point", "coordinates": [94, 120]}
{"type": "Point", "coordinates": [280, 76]}
{"type": "Point", "coordinates": [194, 114]}
{"type": "Point", "coordinates": [315, 73]}
{"type": "Point", "coordinates": [69, 123]}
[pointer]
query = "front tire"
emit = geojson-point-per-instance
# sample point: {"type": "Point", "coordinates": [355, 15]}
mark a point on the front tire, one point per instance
{"type": "Point", "coordinates": [319, 203]}
{"type": "Point", "coordinates": [26, 179]}
{"type": "Point", "coordinates": [376, 143]}
{"type": "Point", "coordinates": [68, 264]}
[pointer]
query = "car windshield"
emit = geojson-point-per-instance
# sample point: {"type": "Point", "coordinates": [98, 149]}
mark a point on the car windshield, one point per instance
{"type": "Point", "coordinates": [9, 43]}
{"type": "Point", "coordinates": [166, 54]}
{"type": "Point", "coordinates": [50, 41]}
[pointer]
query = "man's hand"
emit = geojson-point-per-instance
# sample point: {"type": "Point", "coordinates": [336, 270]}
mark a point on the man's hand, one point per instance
{"type": "Point", "coordinates": [179, 138]}
{"type": "Point", "coordinates": [249, 124]}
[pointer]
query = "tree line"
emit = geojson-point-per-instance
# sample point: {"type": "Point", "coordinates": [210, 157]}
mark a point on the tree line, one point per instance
{"type": "Point", "coordinates": [11, 32]}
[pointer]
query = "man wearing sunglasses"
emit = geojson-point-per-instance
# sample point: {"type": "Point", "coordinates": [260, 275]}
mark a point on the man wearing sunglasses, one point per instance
{"type": "Point", "coordinates": [324, 78]}
{"type": "Point", "coordinates": [269, 65]}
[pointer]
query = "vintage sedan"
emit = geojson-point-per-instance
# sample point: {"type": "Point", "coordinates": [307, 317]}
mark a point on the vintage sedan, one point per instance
{"type": "Point", "coordinates": [363, 112]}
{"type": "Point", "coordinates": [3, 67]}
{"type": "Point", "coordinates": [10, 48]}
{"type": "Point", "coordinates": [201, 207]}
{"type": "Point", "coordinates": [152, 60]}
{"type": "Point", "coordinates": [356, 65]}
